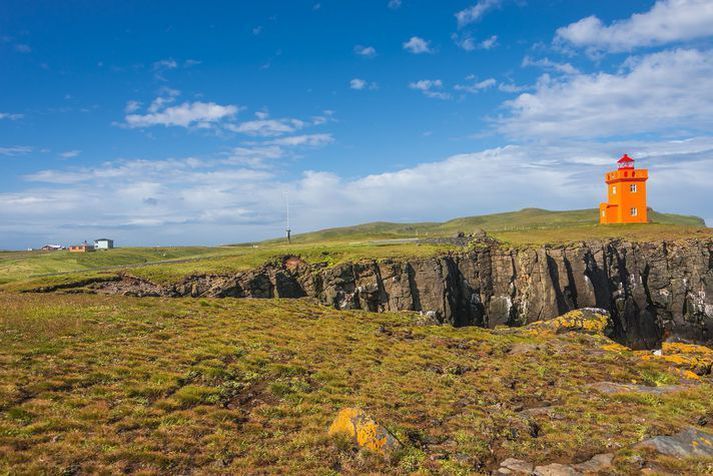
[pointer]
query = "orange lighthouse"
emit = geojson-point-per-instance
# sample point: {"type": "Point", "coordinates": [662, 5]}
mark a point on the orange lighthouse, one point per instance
{"type": "Point", "coordinates": [626, 194]}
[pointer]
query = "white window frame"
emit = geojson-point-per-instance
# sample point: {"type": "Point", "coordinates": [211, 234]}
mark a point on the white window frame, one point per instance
{"type": "Point", "coordinates": [632, 188]}
{"type": "Point", "coordinates": [613, 190]}
{"type": "Point", "coordinates": [634, 212]}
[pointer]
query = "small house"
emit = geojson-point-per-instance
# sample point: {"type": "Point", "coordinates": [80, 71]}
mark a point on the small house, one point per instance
{"type": "Point", "coordinates": [51, 247]}
{"type": "Point", "coordinates": [81, 248]}
{"type": "Point", "coordinates": [103, 244]}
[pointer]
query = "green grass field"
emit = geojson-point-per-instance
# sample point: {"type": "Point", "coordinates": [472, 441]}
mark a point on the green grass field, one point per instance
{"type": "Point", "coordinates": [23, 270]}
{"type": "Point", "coordinates": [110, 384]}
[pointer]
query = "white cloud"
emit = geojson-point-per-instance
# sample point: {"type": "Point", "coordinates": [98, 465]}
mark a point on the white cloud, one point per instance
{"type": "Point", "coordinates": [475, 86]}
{"type": "Point", "coordinates": [11, 116]}
{"type": "Point", "coordinates": [22, 48]}
{"type": "Point", "coordinates": [165, 64]}
{"type": "Point", "coordinates": [417, 45]}
{"type": "Point", "coordinates": [199, 114]}
{"type": "Point", "coordinates": [366, 51]}
{"type": "Point", "coordinates": [547, 64]}
{"type": "Point", "coordinates": [658, 92]}
{"type": "Point", "coordinates": [394, 4]}
{"type": "Point", "coordinates": [313, 140]}
{"type": "Point", "coordinates": [475, 12]}
{"type": "Point", "coordinates": [667, 21]}
{"type": "Point", "coordinates": [263, 127]}
{"type": "Point", "coordinates": [132, 106]}
{"type": "Point", "coordinates": [70, 154]}
{"type": "Point", "coordinates": [513, 88]}
{"type": "Point", "coordinates": [467, 43]}
{"type": "Point", "coordinates": [361, 84]}
{"type": "Point", "coordinates": [15, 150]}
{"type": "Point", "coordinates": [489, 43]}
{"type": "Point", "coordinates": [431, 88]}
{"type": "Point", "coordinates": [357, 84]}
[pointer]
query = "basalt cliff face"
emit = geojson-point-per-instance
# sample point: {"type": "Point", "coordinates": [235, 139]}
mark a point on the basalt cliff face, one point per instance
{"type": "Point", "coordinates": [654, 291]}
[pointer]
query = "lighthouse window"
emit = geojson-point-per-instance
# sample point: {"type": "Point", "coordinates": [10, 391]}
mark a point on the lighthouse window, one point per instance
{"type": "Point", "coordinates": [613, 190]}
{"type": "Point", "coordinates": [632, 187]}
{"type": "Point", "coordinates": [634, 212]}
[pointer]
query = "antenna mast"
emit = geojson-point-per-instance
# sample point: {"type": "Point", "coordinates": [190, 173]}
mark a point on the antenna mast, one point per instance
{"type": "Point", "coordinates": [287, 207]}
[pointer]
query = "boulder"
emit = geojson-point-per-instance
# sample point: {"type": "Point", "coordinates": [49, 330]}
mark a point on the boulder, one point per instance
{"type": "Point", "coordinates": [615, 388]}
{"type": "Point", "coordinates": [586, 320]}
{"type": "Point", "coordinates": [516, 466]}
{"type": "Point", "coordinates": [688, 443]}
{"type": "Point", "coordinates": [357, 425]}
{"type": "Point", "coordinates": [556, 469]}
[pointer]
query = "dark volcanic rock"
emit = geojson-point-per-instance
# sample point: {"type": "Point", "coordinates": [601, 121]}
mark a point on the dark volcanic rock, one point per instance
{"type": "Point", "coordinates": [653, 291]}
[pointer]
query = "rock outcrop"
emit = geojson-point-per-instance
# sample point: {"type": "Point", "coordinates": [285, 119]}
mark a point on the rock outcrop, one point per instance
{"type": "Point", "coordinates": [653, 290]}
{"type": "Point", "coordinates": [363, 431]}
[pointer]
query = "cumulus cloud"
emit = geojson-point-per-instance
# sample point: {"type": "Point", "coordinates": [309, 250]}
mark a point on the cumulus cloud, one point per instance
{"type": "Point", "coordinates": [394, 4]}
{"type": "Point", "coordinates": [475, 12]}
{"type": "Point", "coordinates": [365, 51]}
{"type": "Point", "coordinates": [651, 93]}
{"type": "Point", "coordinates": [432, 88]}
{"type": "Point", "coordinates": [668, 21]}
{"type": "Point", "coordinates": [417, 45]}
{"type": "Point", "coordinates": [264, 127]}
{"type": "Point", "coordinates": [475, 86]}
{"type": "Point", "coordinates": [360, 84]}
{"type": "Point", "coordinates": [313, 140]}
{"type": "Point", "coordinates": [357, 84]}
{"type": "Point", "coordinates": [199, 114]}
{"type": "Point", "coordinates": [468, 43]}
{"type": "Point", "coordinates": [70, 154]}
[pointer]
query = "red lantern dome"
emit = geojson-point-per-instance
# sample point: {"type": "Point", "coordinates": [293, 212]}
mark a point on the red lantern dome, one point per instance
{"type": "Point", "coordinates": [625, 162]}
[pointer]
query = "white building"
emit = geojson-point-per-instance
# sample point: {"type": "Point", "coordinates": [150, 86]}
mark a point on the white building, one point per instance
{"type": "Point", "coordinates": [103, 244]}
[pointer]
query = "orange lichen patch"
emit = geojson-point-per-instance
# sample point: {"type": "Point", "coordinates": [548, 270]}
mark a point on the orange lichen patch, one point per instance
{"type": "Point", "coordinates": [365, 432]}
{"type": "Point", "coordinates": [588, 321]}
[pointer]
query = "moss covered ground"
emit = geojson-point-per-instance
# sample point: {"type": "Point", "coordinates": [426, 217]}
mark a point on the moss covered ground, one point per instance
{"type": "Point", "coordinates": [109, 384]}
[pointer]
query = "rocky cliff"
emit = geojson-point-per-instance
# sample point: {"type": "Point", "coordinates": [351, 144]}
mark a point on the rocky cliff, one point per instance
{"type": "Point", "coordinates": [653, 291]}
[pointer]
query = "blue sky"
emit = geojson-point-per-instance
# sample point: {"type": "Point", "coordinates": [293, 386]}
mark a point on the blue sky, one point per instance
{"type": "Point", "coordinates": [184, 123]}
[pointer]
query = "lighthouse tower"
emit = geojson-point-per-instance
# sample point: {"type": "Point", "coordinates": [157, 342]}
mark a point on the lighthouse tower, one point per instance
{"type": "Point", "coordinates": [626, 194]}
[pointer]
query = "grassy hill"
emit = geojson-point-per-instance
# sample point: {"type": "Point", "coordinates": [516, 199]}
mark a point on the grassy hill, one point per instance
{"type": "Point", "coordinates": [498, 223]}
{"type": "Point", "coordinates": [377, 240]}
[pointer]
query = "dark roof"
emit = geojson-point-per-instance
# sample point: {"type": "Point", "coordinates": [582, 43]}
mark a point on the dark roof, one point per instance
{"type": "Point", "coordinates": [103, 239]}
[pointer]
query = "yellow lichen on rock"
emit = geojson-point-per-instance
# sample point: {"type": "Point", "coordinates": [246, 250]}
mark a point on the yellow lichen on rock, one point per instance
{"type": "Point", "coordinates": [588, 321]}
{"type": "Point", "coordinates": [695, 358]}
{"type": "Point", "coordinates": [365, 432]}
